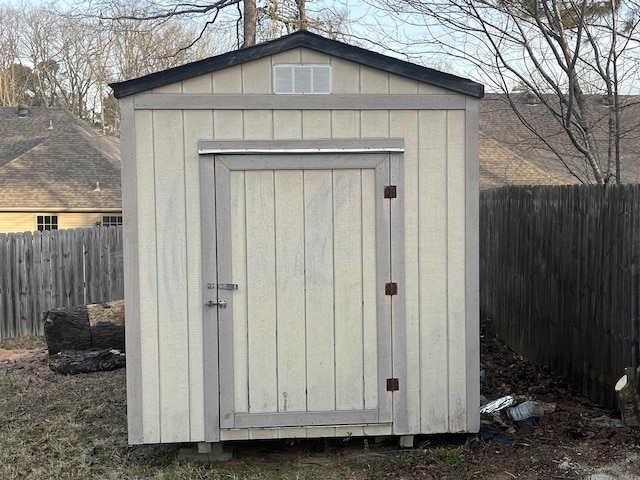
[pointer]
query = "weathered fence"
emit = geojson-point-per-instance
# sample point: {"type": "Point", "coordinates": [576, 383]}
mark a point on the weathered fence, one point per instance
{"type": "Point", "coordinates": [58, 268]}
{"type": "Point", "coordinates": [559, 278]}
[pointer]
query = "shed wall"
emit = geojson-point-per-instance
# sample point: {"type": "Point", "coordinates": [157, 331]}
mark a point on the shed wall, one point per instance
{"type": "Point", "coordinates": [162, 215]}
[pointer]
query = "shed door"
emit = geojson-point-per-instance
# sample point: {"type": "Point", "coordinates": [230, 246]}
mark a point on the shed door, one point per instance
{"type": "Point", "coordinates": [305, 339]}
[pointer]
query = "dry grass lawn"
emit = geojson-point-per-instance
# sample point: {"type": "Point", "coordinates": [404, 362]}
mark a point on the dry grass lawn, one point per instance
{"type": "Point", "coordinates": [74, 427]}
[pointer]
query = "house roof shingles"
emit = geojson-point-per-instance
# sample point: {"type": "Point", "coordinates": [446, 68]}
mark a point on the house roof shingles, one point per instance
{"type": "Point", "coordinates": [505, 142]}
{"type": "Point", "coordinates": [52, 160]}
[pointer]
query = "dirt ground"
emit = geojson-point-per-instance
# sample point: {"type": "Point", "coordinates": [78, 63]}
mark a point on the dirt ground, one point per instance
{"type": "Point", "coordinates": [575, 440]}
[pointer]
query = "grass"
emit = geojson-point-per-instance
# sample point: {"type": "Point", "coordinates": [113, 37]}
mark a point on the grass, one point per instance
{"type": "Point", "coordinates": [74, 427]}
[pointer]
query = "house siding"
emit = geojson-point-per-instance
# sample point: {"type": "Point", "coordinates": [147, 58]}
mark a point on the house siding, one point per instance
{"type": "Point", "coordinates": [16, 222]}
{"type": "Point", "coordinates": [441, 358]}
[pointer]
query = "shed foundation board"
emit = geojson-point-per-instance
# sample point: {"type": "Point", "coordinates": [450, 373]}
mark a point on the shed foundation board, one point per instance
{"type": "Point", "coordinates": [308, 432]}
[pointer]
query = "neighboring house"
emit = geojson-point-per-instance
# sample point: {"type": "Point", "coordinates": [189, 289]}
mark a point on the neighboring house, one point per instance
{"type": "Point", "coordinates": [56, 172]}
{"type": "Point", "coordinates": [500, 166]}
{"type": "Point", "coordinates": [510, 154]}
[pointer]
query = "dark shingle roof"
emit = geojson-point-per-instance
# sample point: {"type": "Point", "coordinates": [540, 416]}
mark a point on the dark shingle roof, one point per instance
{"type": "Point", "coordinates": [51, 159]}
{"type": "Point", "coordinates": [296, 40]}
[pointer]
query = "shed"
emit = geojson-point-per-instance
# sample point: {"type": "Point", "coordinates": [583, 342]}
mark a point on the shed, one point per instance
{"type": "Point", "coordinates": [301, 246]}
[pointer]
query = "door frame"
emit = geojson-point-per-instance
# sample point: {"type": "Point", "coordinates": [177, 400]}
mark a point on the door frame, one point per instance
{"type": "Point", "coordinates": [217, 159]}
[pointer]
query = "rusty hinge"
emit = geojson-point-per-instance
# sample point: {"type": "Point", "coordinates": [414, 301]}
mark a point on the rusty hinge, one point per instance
{"type": "Point", "coordinates": [390, 191]}
{"type": "Point", "coordinates": [393, 384]}
{"type": "Point", "coordinates": [391, 288]}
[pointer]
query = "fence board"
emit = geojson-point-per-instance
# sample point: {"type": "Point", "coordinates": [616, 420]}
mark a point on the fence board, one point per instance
{"type": "Point", "coordinates": [559, 278]}
{"type": "Point", "coordinates": [45, 270]}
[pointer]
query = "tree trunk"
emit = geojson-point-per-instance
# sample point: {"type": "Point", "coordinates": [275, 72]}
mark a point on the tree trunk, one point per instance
{"type": "Point", "coordinates": [250, 22]}
{"type": "Point", "coordinates": [87, 327]}
{"type": "Point", "coordinates": [302, 12]}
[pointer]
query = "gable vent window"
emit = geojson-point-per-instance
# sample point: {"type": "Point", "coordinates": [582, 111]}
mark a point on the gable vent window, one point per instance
{"type": "Point", "coordinates": [302, 79]}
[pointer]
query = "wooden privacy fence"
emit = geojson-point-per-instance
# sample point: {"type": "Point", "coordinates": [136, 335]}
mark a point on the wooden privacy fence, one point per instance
{"type": "Point", "coordinates": [58, 268]}
{"type": "Point", "coordinates": [559, 278]}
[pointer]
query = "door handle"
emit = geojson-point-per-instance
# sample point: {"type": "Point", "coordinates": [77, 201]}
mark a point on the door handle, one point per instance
{"type": "Point", "coordinates": [221, 304]}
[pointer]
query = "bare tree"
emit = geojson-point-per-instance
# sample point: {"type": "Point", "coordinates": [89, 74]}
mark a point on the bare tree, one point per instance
{"type": "Point", "coordinates": [559, 51]}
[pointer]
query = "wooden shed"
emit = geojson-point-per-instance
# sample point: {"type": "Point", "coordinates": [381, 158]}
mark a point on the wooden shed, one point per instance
{"type": "Point", "coordinates": [301, 251]}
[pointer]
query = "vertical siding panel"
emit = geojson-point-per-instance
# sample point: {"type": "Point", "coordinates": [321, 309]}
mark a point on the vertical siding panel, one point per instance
{"type": "Point", "coordinates": [456, 257]}
{"type": "Point", "coordinates": [426, 89]}
{"type": "Point", "coordinates": [258, 124]}
{"type": "Point", "coordinates": [142, 246]}
{"type": "Point", "coordinates": [228, 80]}
{"type": "Point", "coordinates": [319, 290]}
{"type": "Point", "coordinates": [374, 123]}
{"type": "Point", "coordinates": [347, 267]}
{"type": "Point", "coordinates": [345, 124]}
{"type": "Point", "coordinates": [171, 267]}
{"type": "Point", "coordinates": [291, 346]}
{"type": "Point", "coordinates": [310, 56]}
{"type": "Point", "coordinates": [373, 81]}
{"type": "Point", "coordinates": [290, 56]}
{"type": "Point", "coordinates": [402, 85]}
{"type": "Point", "coordinates": [256, 76]}
{"type": "Point", "coordinates": [239, 269]}
{"type": "Point", "coordinates": [261, 301]}
{"type": "Point", "coordinates": [287, 124]}
{"type": "Point", "coordinates": [228, 124]}
{"type": "Point", "coordinates": [197, 125]}
{"type": "Point", "coordinates": [316, 124]}
{"type": "Point", "coordinates": [369, 290]}
{"type": "Point", "coordinates": [432, 245]}
{"type": "Point", "coordinates": [346, 76]}
{"type": "Point", "coordinates": [405, 124]}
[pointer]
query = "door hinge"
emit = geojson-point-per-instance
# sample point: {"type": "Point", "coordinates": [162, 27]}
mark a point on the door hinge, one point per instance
{"type": "Point", "coordinates": [393, 384]}
{"type": "Point", "coordinates": [391, 288]}
{"type": "Point", "coordinates": [390, 191]}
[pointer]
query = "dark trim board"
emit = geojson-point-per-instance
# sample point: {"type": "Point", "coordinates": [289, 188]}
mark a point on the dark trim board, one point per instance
{"type": "Point", "coordinates": [300, 39]}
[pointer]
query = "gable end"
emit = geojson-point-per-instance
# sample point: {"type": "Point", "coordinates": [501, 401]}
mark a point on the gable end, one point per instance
{"type": "Point", "coordinates": [300, 39]}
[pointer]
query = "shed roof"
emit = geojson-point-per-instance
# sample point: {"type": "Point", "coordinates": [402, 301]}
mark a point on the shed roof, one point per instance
{"type": "Point", "coordinates": [299, 39]}
{"type": "Point", "coordinates": [51, 159]}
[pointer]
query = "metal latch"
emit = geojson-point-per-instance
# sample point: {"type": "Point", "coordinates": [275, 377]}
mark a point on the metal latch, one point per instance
{"type": "Point", "coordinates": [227, 286]}
{"type": "Point", "coordinates": [221, 304]}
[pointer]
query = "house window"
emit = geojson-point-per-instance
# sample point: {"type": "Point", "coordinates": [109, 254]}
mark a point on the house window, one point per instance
{"type": "Point", "coordinates": [47, 222]}
{"type": "Point", "coordinates": [112, 221]}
